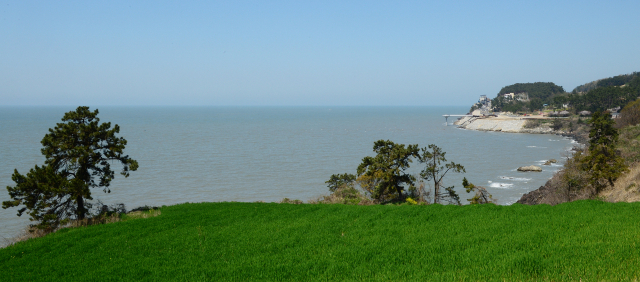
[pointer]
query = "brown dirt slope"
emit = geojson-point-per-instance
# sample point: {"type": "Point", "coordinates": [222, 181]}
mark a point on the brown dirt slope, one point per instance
{"type": "Point", "coordinates": [626, 188]}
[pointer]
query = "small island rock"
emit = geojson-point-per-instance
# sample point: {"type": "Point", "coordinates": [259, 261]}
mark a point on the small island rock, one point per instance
{"type": "Point", "coordinates": [530, 168]}
{"type": "Point", "coordinates": [553, 161]}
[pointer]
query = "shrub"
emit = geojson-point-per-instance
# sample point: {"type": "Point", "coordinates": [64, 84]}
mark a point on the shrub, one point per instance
{"type": "Point", "coordinates": [629, 144]}
{"type": "Point", "coordinates": [481, 196]}
{"type": "Point", "coordinates": [630, 115]}
{"type": "Point", "coordinates": [420, 193]}
{"type": "Point", "coordinates": [573, 180]}
{"type": "Point", "coordinates": [557, 124]}
{"type": "Point", "coordinates": [347, 195]}
{"type": "Point", "coordinates": [337, 180]}
{"type": "Point", "coordinates": [289, 201]}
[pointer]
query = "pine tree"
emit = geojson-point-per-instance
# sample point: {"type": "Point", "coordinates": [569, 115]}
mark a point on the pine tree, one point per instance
{"type": "Point", "coordinates": [603, 163]}
{"type": "Point", "coordinates": [435, 171]}
{"type": "Point", "coordinates": [78, 156]}
{"type": "Point", "coordinates": [384, 175]}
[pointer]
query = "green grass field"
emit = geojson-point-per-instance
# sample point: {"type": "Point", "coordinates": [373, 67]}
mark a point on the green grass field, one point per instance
{"type": "Point", "coordinates": [588, 240]}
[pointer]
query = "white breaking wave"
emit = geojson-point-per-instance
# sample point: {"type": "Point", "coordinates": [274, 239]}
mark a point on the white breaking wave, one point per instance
{"type": "Point", "coordinates": [536, 147]}
{"type": "Point", "coordinates": [500, 185]}
{"type": "Point", "coordinates": [551, 164]}
{"type": "Point", "coordinates": [515, 178]}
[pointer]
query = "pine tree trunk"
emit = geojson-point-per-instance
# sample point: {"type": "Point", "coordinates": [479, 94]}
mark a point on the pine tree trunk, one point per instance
{"type": "Point", "coordinates": [80, 212]}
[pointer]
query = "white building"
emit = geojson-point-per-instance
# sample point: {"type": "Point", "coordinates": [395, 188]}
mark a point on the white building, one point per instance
{"type": "Point", "coordinates": [483, 99]}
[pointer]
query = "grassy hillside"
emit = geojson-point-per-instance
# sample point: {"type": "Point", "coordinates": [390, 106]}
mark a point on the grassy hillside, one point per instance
{"type": "Point", "coordinates": [588, 240]}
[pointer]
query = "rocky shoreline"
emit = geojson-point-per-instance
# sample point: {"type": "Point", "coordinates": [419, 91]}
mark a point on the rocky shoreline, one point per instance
{"type": "Point", "coordinates": [515, 125]}
{"type": "Point", "coordinates": [501, 124]}
{"type": "Point", "coordinates": [546, 193]}
{"type": "Point", "coordinates": [537, 196]}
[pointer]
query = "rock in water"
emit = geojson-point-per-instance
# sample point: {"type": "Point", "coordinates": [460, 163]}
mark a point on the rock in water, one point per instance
{"type": "Point", "coordinates": [530, 168]}
{"type": "Point", "coordinates": [547, 163]}
{"type": "Point", "coordinates": [552, 161]}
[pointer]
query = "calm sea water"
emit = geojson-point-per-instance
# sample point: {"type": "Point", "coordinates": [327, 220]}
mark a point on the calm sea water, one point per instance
{"type": "Point", "coordinates": [211, 154]}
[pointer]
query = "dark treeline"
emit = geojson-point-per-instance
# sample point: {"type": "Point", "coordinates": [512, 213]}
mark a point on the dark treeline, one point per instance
{"type": "Point", "coordinates": [602, 98]}
{"type": "Point", "coordinates": [617, 80]}
{"type": "Point", "coordinates": [538, 94]}
{"type": "Point", "coordinates": [599, 95]}
{"type": "Point", "coordinates": [537, 90]}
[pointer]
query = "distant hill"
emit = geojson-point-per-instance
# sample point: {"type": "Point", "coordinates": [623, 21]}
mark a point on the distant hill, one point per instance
{"type": "Point", "coordinates": [598, 95]}
{"type": "Point", "coordinates": [538, 94]}
{"type": "Point", "coordinates": [607, 96]}
{"type": "Point", "coordinates": [617, 80]}
{"type": "Point", "coordinates": [537, 90]}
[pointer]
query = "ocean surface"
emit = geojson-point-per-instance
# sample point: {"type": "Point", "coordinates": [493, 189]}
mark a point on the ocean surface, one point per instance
{"type": "Point", "coordinates": [213, 154]}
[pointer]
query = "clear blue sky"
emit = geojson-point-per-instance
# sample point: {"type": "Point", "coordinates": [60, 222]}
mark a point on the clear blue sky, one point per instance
{"type": "Point", "coordinates": [305, 52]}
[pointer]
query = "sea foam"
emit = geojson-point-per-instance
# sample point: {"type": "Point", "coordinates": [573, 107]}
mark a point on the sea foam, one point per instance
{"type": "Point", "coordinates": [515, 178]}
{"type": "Point", "coordinates": [500, 185]}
